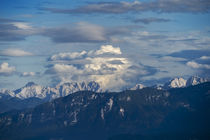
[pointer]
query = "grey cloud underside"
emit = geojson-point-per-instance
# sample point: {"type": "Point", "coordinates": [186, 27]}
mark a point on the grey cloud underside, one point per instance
{"type": "Point", "coordinates": [4, 59]}
{"type": "Point", "coordinates": [150, 20]}
{"type": "Point", "coordinates": [190, 54]}
{"type": "Point", "coordinates": [195, 61]}
{"type": "Point", "coordinates": [62, 35]}
{"type": "Point", "coordinates": [153, 37]}
{"type": "Point", "coordinates": [89, 33]}
{"type": "Point", "coordinates": [9, 32]}
{"type": "Point", "coordinates": [168, 6]}
{"type": "Point", "coordinates": [80, 32]}
{"type": "Point", "coordinates": [8, 20]}
{"type": "Point", "coordinates": [182, 40]}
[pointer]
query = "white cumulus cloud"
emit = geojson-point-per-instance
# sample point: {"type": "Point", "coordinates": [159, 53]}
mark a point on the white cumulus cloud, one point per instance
{"type": "Point", "coordinates": [62, 68]}
{"type": "Point", "coordinates": [22, 25]}
{"type": "Point", "coordinates": [15, 52]}
{"type": "Point", "coordinates": [27, 74]}
{"type": "Point", "coordinates": [68, 56]}
{"type": "Point", "coordinates": [108, 49]}
{"type": "Point", "coordinates": [6, 70]}
{"type": "Point", "coordinates": [105, 49]}
{"type": "Point", "coordinates": [196, 65]}
{"type": "Point", "coordinates": [205, 57]}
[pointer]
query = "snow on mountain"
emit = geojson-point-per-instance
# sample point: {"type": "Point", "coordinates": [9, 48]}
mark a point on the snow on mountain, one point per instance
{"type": "Point", "coordinates": [180, 82]}
{"type": "Point", "coordinates": [158, 86]}
{"type": "Point", "coordinates": [65, 89]}
{"type": "Point", "coordinates": [6, 92]}
{"type": "Point", "coordinates": [48, 93]}
{"type": "Point", "coordinates": [137, 86]}
{"type": "Point", "coordinates": [175, 83]}
{"type": "Point", "coordinates": [33, 90]}
{"type": "Point", "coordinates": [195, 80]}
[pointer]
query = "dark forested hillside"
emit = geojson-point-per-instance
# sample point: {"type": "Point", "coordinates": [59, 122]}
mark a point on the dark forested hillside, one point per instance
{"type": "Point", "coordinates": [181, 113]}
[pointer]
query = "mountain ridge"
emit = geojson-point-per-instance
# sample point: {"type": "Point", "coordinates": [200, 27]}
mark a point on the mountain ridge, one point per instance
{"type": "Point", "coordinates": [31, 91]}
{"type": "Point", "coordinates": [147, 111]}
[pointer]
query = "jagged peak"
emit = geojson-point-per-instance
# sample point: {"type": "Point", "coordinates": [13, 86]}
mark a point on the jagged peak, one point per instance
{"type": "Point", "coordinates": [29, 84]}
{"type": "Point", "coordinates": [176, 83]}
{"type": "Point", "coordinates": [194, 80]}
{"type": "Point", "coordinates": [138, 86]}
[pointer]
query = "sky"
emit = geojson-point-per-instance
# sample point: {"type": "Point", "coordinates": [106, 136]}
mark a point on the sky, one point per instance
{"type": "Point", "coordinates": [115, 43]}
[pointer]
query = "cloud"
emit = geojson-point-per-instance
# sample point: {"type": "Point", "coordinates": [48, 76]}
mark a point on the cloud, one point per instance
{"type": "Point", "coordinates": [28, 74]}
{"type": "Point", "coordinates": [26, 15]}
{"type": "Point", "coordinates": [21, 25]}
{"type": "Point", "coordinates": [169, 58]}
{"type": "Point", "coordinates": [105, 49]}
{"type": "Point", "coordinates": [14, 52]}
{"type": "Point", "coordinates": [105, 66]}
{"type": "Point", "coordinates": [150, 20]}
{"type": "Point", "coordinates": [167, 6]}
{"type": "Point", "coordinates": [196, 60]}
{"type": "Point", "coordinates": [190, 54]}
{"type": "Point", "coordinates": [7, 20]}
{"type": "Point", "coordinates": [15, 31]}
{"type": "Point", "coordinates": [6, 70]}
{"type": "Point", "coordinates": [205, 57]}
{"type": "Point", "coordinates": [83, 32]}
{"type": "Point", "coordinates": [9, 32]}
{"type": "Point", "coordinates": [196, 65]}
{"type": "Point", "coordinates": [62, 68]}
{"type": "Point", "coordinates": [68, 56]}
{"type": "Point", "coordinates": [108, 49]}
{"type": "Point", "coordinates": [201, 69]}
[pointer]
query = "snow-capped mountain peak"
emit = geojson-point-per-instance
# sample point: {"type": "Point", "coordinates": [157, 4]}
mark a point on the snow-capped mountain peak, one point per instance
{"type": "Point", "coordinates": [137, 86]}
{"type": "Point", "coordinates": [30, 84]}
{"type": "Point", "coordinates": [176, 83]}
{"type": "Point", "coordinates": [6, 92]}
{"type": "Point", "coordinates": [33, 90]}
{"type": "Point", "coordinates": [194, 80]}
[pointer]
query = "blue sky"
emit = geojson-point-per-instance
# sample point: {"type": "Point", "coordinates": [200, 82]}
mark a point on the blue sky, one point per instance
{"type": "Point", "coordinates": [116, 43]}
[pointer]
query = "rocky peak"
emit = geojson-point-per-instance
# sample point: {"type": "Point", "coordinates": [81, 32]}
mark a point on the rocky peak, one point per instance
{"type": "Point", "coordinates": [29, 84]}
{"type": "Point", "coordinates": [138, 86]}
{"type": "Point", "coordinates": [176, 83]}
{"type": "Point", "coordinates": [195, 80]}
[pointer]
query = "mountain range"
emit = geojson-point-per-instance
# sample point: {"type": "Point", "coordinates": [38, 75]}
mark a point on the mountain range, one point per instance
{"type": "Point", "coordinates": [49, 93]}
{"type": "Point", "coordinates": [145, 114]}
{"type": "Point", "coordinates": [32, 94]}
